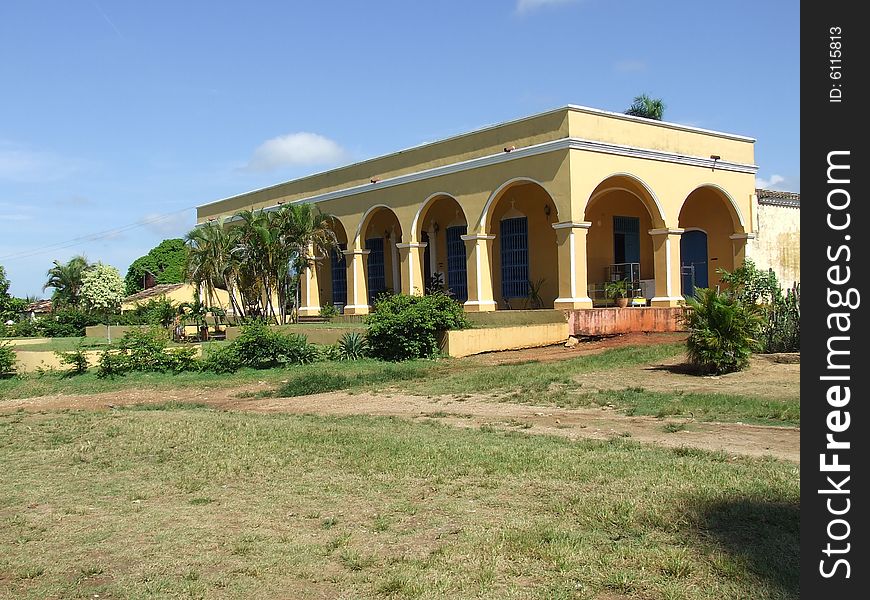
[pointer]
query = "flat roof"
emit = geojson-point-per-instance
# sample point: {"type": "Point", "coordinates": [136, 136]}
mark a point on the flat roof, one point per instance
{"type": "Point", "coordinates": [567, 107]}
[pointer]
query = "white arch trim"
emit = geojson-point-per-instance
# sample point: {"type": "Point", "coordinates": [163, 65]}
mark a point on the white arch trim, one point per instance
{"type": "Point", "coordinates": [426, 204]}
{"type": "Point", "coordinates": [725, 193]}
{"type": "Point", "coordinates": [641, 182]}
{"type": "Point", "coordinates": [492, 197]}
{"type": "Point", "coordinates": [365, 217]}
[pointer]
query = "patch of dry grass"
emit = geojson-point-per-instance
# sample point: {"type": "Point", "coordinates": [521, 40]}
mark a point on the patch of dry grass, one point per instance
{"type": "Point", "coordinates": [187, 502]}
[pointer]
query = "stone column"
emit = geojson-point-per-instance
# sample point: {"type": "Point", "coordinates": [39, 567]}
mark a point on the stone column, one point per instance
{"type": "Point", "coordinates": [357, 282]}
{"type": "Point", "coordinates": [666, 251]}
{"type": "Point", "coordinates": [742, 243]}
{"type": "Point", "coordinates": [571, 240]}
{"type": "Point", "coordinates": [412, 268]}
{"type": "Point", "coordinates": [433, 250]}
{"type": "Point", "coordinates": [477, 250]}
{"type": "Point", "coordinates": [310, 292]}
{"type": "Point", "coordinates": [394, 262]}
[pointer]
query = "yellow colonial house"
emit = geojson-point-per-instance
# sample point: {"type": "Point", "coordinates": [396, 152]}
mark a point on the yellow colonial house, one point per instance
{"type": "Point", "coordinates": [537, 212]}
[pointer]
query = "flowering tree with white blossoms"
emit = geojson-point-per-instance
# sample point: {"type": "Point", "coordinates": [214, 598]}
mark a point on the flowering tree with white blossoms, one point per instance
{"type": "Point", "coordinates": [102, 288]}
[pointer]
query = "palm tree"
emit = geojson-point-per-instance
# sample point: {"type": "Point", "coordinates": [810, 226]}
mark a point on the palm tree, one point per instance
{"type": "Point", "coordinates": [66, 279]}
{"type": "Point", "coordinates": [646, 107]}
{"type": "Point", "coordinates": [209, 262]}
{"type": "Point", "coordinates": [305, 233]}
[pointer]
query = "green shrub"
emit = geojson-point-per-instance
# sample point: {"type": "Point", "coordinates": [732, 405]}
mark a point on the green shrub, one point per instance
{"type": "Point", "coordinates": [221, 359]}
{"type": "Point", "coordinates": [179, 360]}
{"type": "Point", "coordinates": [328, 311]}
{"type": "Point", "coordinates": [723, 331]}
{"type": "Point", "coordinates": [145, 350]}
{"type": "Point", "coordinates": [781, 330]}
{"type": "Point", "coordinates": [352, 346]}
{"type": "Point", "coordinates": [25, 328]}
{"type": "Point", "coordinates": [70, 322]}
{"type": "Point", "coordinates": [112, 363]}
{"type": "Point", "coordinates": [329, 352]}
{"type": "Point", "coordinates": [7, 359]}
{"type": "Point", "coordinates": [780, 312]}
{"type": "Point", "coordinates": [261, 347]}
{"type": "Point", "coordinates": [76, 359]}
{"type": "Point", "coordinates": [403, 327]}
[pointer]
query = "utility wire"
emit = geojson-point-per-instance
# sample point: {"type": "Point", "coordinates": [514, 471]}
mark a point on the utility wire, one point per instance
{"type": "Point", "coordinates": [108, 233]}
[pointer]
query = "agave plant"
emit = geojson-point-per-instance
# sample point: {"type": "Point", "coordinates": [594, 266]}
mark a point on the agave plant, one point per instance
{"type": "Point", "coordinates": [352, 346]}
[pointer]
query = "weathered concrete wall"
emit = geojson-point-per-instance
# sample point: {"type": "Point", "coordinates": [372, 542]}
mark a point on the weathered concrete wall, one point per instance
{"type": "Point", "coordinates": [608, 321]}
{"type": "Point", "coordinates": [778, 242]}
{"type": "Point", "coordinates": [466, 342]}
{"type": "Point", "coordinates": [315, 335]}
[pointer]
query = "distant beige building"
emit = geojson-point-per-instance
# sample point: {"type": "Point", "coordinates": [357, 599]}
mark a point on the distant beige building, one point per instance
{"type": "Point", "coordinates": [177, 293]}
{"type": "Point", "coordinates": [777, 244]}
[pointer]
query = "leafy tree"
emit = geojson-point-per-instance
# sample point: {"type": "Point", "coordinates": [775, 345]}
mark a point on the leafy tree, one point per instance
{"type": "Point", "coordinates": [102, 288]}
{"type": "Point", "coordinates": [10, 307]}
{"type": "Point", "coordinates": [165, 261]}
{"type": "Point", "coordinates": [646, 107]}
{"type": "Point", "coordinates": [66, 279]}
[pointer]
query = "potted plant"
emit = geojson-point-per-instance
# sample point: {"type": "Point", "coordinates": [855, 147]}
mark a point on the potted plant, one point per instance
{"type": "Point", "coordinates": [617, 291]}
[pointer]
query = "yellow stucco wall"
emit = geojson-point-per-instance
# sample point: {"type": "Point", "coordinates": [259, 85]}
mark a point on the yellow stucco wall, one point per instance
{"type": "Point", "coordinates": [182, 294]}
{"type": "Point", "coordinates": [466, 342]}
{"type": "Point", "coordinates": [586, 165]}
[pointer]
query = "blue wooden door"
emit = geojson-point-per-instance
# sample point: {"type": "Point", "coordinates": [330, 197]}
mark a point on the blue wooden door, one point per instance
{"type": "Point", "coordinates": [377, 274]}
{"type": "Point", "coordinates": [457, 278]}
{"type": "Point", "coordinates": [693, 258]}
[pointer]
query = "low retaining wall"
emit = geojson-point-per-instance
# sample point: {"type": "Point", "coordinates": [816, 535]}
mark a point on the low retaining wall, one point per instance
{"type": "Point", "coordinates": [116, 332]}
{"type": "Point", "coordinates": [315, 335]}
{"type": "Point", "coordinates": [29, 362]}
{"type": "Point", "coordinates": [465, 342]}
{"type": "Point", "coordinates": [514, 318]}
{"type": "Point", "coordinates": [609, 321]}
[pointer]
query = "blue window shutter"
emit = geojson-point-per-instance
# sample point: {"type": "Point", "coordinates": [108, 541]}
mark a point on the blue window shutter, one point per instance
{"type": "Point", "coordinates": [514, 241]}
{"type": "Point", "coordinates": [339, 275]}
{"type": "Point", "coordinates": [377, 278]}
{"type": "Point", "coordinates": [457, 276]}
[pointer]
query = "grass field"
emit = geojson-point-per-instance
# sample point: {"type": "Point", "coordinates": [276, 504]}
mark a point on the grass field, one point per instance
{"type": "Point", "coordinates": [531, 382]}
{"type": "Point", "coordinates": [187, 502]}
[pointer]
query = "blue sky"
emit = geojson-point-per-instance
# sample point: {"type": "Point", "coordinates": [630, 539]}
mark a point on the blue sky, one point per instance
{"type": "Point", "coordinates": [114, 113]}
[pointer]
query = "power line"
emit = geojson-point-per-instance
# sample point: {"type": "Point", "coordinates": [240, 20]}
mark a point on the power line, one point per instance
{"type": "Point", "coordinates": [92, 237]}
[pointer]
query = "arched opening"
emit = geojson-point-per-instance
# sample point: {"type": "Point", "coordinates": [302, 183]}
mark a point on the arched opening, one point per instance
{"type": "Point", "coordinates": [379, 233]}
{"type": "Point", "coordinates": [441, 223]}
{"type": "Point", "coordinates": [524, 260]}
{"type": "Point", "coordinates": [622, 211]}
{"type": "Point", "coordinates": [709, 218]}
{"type": "Point", "coordinates": [332, 271]}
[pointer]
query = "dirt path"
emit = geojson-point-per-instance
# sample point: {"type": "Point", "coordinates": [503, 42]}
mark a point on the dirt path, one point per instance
{"type": "Point", "coordinates": [575, 423]}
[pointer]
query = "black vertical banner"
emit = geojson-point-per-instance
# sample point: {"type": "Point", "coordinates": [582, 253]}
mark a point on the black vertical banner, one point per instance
{"type": "Point", "coordinates": [835, 562]}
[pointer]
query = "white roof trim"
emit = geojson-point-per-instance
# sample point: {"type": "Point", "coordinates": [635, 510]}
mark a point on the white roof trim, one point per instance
{"type": "Point", "coordinates": [551, 146]}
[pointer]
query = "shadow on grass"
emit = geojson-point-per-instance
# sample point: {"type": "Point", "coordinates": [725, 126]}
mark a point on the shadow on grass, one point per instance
{"type": "Point", "coordinates": [762, 536]}
{"type": "Point", "coordinates": [683, 368]}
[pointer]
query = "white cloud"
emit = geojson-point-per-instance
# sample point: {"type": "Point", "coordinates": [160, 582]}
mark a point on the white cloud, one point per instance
{"type": "Point", "coordinates": [295, 149]}
{"type": "Point", "coordinates": [630, 65]}
{"type": "Point", "coordinates": [527, 6]}
{"type": "Point", "coordinates": [771, 183]}
{"type": "Point", "coordinates": [14, 217]}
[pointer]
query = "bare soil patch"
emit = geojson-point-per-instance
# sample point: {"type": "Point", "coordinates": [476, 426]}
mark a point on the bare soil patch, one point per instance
{"type": "Point", "coordinates": [474, 412]}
